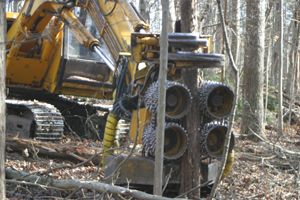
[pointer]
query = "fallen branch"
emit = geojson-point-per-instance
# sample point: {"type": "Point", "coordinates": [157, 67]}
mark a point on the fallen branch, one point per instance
{"type": "Point", "coordinates": [254, 157]}
{"type": "Point", "coordinates": [69, 166]}
{"type": "Point", "coordinates": [275, 145]}
{"type": "Point", "coordinates": [73, 184]}
{"type": "Point", "coordinates": [32, 184]}
{"type": "Point", "coordinates": [79, 158]}
{"type": "Point", "coordinates": [54, 150]}
{"type": "Point", "coordinates": [297, 103]}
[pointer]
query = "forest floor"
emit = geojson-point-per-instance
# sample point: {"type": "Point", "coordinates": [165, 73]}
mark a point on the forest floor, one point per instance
{"type": "Point", "coordinates": [261, 170]}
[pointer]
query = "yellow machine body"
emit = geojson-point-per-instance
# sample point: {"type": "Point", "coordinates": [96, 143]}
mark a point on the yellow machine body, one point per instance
{"type": "Point", "coordinates": [138, 125]}
{"type": "Point", "coordinates": [40, 70]}
{"type": "Point", "coordinates": [51, 50]}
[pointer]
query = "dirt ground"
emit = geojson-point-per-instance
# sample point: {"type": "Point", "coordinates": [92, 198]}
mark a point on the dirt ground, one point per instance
{"type": "Point", "coordinates": [260, 171]}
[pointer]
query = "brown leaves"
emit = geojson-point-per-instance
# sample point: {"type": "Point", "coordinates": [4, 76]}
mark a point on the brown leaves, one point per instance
{"type": "Point", "coordinates": [256, 175]}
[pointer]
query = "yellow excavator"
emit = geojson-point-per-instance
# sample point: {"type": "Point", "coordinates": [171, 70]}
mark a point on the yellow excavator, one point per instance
{"type": "Point", "coordinates": [101, 49]}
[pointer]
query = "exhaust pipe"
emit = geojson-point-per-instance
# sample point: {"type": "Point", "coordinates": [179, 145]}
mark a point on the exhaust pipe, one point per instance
{"type": "Point", "coordinates": [175, 141]}
{"type": "Point", "coordinates": [212, 140]}
{"type": "Point", "coordinates": [216, 100]}
{"type": "Point", "coordinates": [178, 99]}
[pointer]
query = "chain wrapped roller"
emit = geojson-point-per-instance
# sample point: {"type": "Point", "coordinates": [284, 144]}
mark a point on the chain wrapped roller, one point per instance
{"type": "Point", "coordinates": [149, 139]}
{"type": "Point", "coordinates": [216, 100]}
{"type": "Point", "coordinates": [178, 99]}
{"type": "Point", "coordinates": [212, 139]}
{"type": "Point", "coordinates": [175, 141]}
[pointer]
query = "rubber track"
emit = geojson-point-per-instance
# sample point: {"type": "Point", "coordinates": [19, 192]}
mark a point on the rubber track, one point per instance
{"type": "Point", "coordinates": [49, 124]}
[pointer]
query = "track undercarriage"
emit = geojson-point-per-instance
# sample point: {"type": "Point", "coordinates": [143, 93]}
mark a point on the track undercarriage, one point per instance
{"type": "Point", "coordinates": [49, 121]}
{"type": "Point", "coordinates": [34, 119]}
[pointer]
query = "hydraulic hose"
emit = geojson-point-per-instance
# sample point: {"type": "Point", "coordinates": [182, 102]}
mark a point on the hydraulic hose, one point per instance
{"type": "Point", "coordinates": [228, 165]}
{"type": "Point", "coordinates": [109, 135]}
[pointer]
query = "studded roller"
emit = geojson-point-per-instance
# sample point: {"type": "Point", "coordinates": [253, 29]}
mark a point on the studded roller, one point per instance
{"type": "Point", "coordinates": [175, 143]}
{"type": "Point", "coordinates": [212, 139]}
{"type": "Point", "coordinates": [216, 99]}
{"type": "Point", "coordinates": [178, 99]}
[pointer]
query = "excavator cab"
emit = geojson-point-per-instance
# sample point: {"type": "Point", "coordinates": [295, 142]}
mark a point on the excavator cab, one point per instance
{"type": "Point", "coordinates": [82, 71]}
{"type": "Point", "coordinates": [82, 65]}
{"type": "Point", "coordinates": [54, 61]}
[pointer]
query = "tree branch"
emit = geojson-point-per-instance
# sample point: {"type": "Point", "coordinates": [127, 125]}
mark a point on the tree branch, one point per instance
{"type": "Point", "coordinates": [73, 184]}
{"type": "Point", "coordinates": [228, 135]}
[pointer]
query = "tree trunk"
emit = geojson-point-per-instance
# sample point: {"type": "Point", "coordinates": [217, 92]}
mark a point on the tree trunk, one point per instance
{"type": "Point", "coordinates": [219, 43]}
{"type": "Point", "coordinates": [144, 10]}
{"type": "Point", "coordinates": [2, 98]}
{"type": "Point", "coordinates": [172, 16]}
{"type": "Point", "coordinates": [219, 33]}
{"type": "Point", "coordinates": [235, 100]}
{"type": "Point", "coordinates": [252, 113]}
{"type": "Point", "coordinates": [190, 164]}
{"type": "Point", "coordinates": [163, 70]}
{"type": "Point", "coordinates": [293, 49]}
{"type": "Point", "coordinates": [267, 77]}
{"type": "Point", "coordinates": [275, 35]}
{"type": "Point", "coordinates": [235, 36]}
{"type": "Point", "coordinates": [177, 9]}
{"type": "Point", "coordinates": [236, 17]}
{"type": "Point", "coordinates": [280, 70]}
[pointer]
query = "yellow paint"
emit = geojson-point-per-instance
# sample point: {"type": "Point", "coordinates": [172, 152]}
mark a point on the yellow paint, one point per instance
{"type": "Point", "coordinates": [11, 16]}
{"type": "Point", "coordinates": [228, 165]}
{"type": "Point", "coordinates": [144, 115]}
{"type": "Point", "coordinates": [29, 70]}
{"type": "Point", "coordinates": [54, 63]}
{"type": "Point", "coordinates": [109, 135]}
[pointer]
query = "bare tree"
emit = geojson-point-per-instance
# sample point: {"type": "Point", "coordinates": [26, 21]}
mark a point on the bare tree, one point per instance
{"type": "Point", "coordinates": [159, 152]}
{"type": "Point", "coordinates": [2, 97]}
{"type": "Point", "coordinates": [172, 16]}
{"type": "Point", "coordinates": [275, 35]}
{"type": "Point", "coordinates": [190, 165]}
{"type": "Point", "coordinates": [280, 117]}
{"type": "Point", "coordinates": [144, 10]}
{"type": "Point", "coordinates": [228, 134]}
{"type": "Point", "coordinates": [236, 17]}
{"type": "Point", "coordinates": [293, 49]}
{"type": "Point", "coordinates": [252, 113]}
{"type": "Point", "coordinates": [268, 54]}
